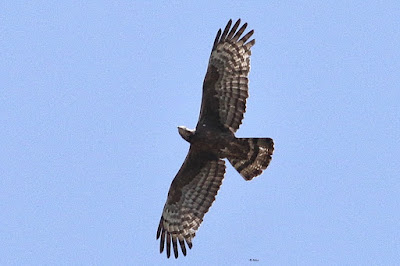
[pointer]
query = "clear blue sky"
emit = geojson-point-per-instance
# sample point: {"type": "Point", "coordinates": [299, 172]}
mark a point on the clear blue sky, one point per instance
{"type": "Point", "coordinates": [90, 97]}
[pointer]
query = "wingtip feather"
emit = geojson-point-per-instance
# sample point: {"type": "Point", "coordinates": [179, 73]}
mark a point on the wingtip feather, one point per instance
{"type": "Point", "coordinates": [175, 246]}
{"type": "Point", "coordinates": [162, 241]}
{"type": "Point", "coordinates": [247, 36]}
{"type": "Point", "coordinates": [183, 248]}
{"type": "Point", "coordinates": [226, 30]}
{"type": "Point", "coordinates": [159, 229]}
{"type": "Point", "coordinates": [239, 32]}
{"type": "Point", "coordinates": [233, 30]}
{"type": "Point", "coordinates": [217, 38]}
{"type": "Point", "coordinates": [168, 245]}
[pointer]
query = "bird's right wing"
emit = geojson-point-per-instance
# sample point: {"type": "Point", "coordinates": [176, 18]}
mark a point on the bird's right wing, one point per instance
{"type": "Point", "coordinates": [191, 194]}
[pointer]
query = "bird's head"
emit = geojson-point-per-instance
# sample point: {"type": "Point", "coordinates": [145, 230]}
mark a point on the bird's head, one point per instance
{"type": "Point", "coordinates": [186, 133]}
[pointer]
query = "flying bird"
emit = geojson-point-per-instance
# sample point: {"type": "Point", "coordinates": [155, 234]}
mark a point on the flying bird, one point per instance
{"type": "Point", "coordinates": [225, 90]}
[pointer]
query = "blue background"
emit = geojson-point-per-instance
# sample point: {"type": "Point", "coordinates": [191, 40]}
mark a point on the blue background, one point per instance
{"type": "Point", "coordinates": [91, 94]}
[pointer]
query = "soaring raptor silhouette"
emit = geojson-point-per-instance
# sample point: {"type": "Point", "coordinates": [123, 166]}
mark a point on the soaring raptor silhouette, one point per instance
{"type": "Point", "coordinates": [225, 90]}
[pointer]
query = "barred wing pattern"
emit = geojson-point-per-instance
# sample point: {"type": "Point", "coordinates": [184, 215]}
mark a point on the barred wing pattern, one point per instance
{"type": "Point", "coordinates": [225, 91]}
{"type": "Point", "coordinates": [191, 194]}
{"type": "Point", "coordinates": [226, 77]}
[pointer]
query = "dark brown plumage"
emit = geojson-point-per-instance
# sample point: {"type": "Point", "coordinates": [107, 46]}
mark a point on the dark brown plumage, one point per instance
{"type": "Point", "coordinates": [225, 90]}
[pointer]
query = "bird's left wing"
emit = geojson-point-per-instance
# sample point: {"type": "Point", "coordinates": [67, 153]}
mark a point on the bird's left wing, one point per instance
{"type": "Point", "coordinates": [225, 87]}
{"type": "Point", "coordinates": [191, 194]}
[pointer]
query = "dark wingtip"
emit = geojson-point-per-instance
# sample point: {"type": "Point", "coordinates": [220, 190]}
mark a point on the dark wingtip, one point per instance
{"type": "Point", "coordinates": [238, 22]}
{"type": "Point", "coordinates": [226, 30]}
{"type": "Point", "coordinates": [159, 229]}
{"type": "Point", "coordinates": [168, 245]}
{"type": "Point", "coordinates": [175, 246]}
{"type": "Point", "coordinates": [239, 32]}
{"type": "Point", "coordinates": [162, 241]}
{"type": "Point", "coordinates": [217, 38]}
{"type": "Point", "coordinates": [233, 30]}
{"type": "Point", "coordinates": [183, 248]}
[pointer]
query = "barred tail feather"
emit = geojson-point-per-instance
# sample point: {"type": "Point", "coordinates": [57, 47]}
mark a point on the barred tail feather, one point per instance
{"type": "Point", "coordinates": [259, 151]}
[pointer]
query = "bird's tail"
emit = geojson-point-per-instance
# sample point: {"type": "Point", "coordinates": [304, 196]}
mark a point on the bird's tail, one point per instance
{"type": "Point", "coordinates": [257, 152]}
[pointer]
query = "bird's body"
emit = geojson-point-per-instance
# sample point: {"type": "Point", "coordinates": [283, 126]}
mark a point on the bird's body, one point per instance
{"type": "Point", "coordinates": [211, 139]}
{"type": "Point", "coordinates": [225, 90]}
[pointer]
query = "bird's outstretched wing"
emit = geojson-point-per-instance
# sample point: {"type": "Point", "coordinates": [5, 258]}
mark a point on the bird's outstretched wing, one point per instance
{"type": "Point", "coordinates": [225, 87]}
{"type": "Point", "coordinates": [191, 194]}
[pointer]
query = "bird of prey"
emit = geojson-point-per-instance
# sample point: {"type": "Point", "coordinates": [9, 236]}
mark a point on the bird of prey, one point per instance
{"type": "Point", "coordinates": [225, 90]}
